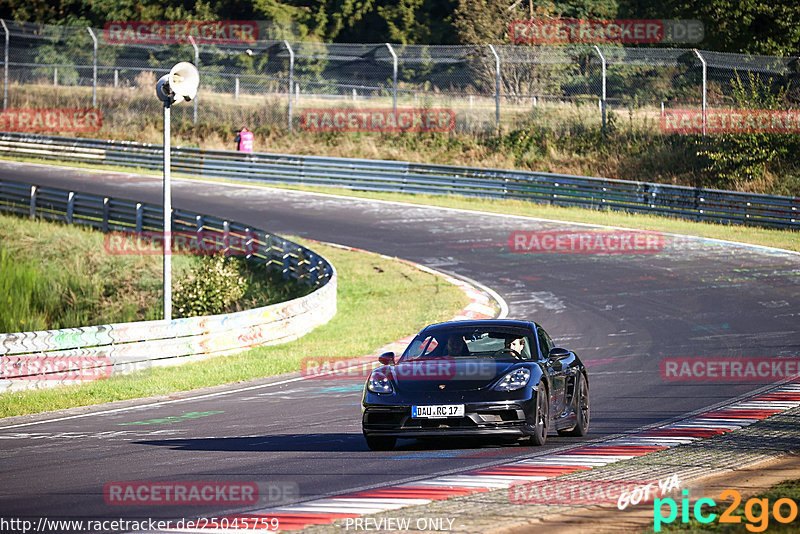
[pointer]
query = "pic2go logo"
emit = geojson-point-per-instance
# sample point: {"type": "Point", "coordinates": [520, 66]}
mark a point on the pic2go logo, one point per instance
{"type": "Point", "coordinates": [756, 511]}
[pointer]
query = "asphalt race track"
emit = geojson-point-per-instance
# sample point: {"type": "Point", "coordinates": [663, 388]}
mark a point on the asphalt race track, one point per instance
{"type": "Point", "coordinates": [300, 439]}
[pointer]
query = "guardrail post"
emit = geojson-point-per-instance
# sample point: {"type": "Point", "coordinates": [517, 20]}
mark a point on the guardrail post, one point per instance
{"type": "Point", "coordinates": [291, 82]}
{"type": "Point", "coordinates": [70, 206]}
{"type": "Point", "coordinates": [196, 64]}
{"type": "Point", "coordinates": [286, 260]}
{"type": "Point", "coordinates": [226, 237]}
{"type": "Point", "coordinates": [139, 216]}
{"type": "Point", "coordinates": [603, 96]}
{"type": "Point", "coordinates": [394, 79]}
{"type": "Point", "coordinates": [5, 66]}
{"type": "Point", "coordinates": [248, 242]}
{"type": "Point", "coordinates": [496, 88]}
{"type": "Point", "coordinates": [200, 222]}
{"type": "Point", "coordinates": [705, 71]}
{"type": "Point", "coordinates": [33, 201]}
{"type": "Point", "coordinates": [105, 214]}
{"type": "Point", "coordinates": [94, 69]}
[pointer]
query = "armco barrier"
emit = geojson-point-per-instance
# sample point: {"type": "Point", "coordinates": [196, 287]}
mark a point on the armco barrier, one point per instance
{"type": "Point", "coordinates": [396, 176]}
{"type": "Point", "coordinates": [52, 357]}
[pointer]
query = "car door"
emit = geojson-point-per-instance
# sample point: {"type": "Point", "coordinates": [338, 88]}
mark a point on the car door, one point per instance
{"type": "Point", "coordinates": [558, 374]}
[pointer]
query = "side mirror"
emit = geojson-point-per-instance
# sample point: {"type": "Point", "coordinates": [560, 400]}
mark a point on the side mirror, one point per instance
{"type": "Point", "coordinates": [557, 354]}
{"type": "Point", "coordinates": [387, 358]}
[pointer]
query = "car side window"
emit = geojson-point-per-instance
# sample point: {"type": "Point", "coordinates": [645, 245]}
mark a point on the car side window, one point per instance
{"type": "Point", "coordinates": [545, 343]}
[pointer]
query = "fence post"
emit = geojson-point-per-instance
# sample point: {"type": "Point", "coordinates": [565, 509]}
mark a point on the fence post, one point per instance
{"type": "Point", "coordinates": [196, 64]}
{"type": "Point", "coordinates": [394, 79]}
{"type": "Point", "coordinates": [33, 201]}
{"type": "Point", "coordinates": [236, 89]}
{"type": "Point", "coordinates": [70, 206]}
{"type": "Point", "coordinates": [139, 216]}
{"type": "Point", "coordinates": [5, 67]}
{"type": "Point", "coordinates": [703, 61]}
{"type": "Point", "coordinates": [496, 88]}
{"type": "Point", "coordinates": [94, 69]}
{"type": "Point", "coordinates": [603, 97]}
{"type": "Point", "coordinates": [106, 209]}
{"type": "Point", "coordinates": [291, 82]}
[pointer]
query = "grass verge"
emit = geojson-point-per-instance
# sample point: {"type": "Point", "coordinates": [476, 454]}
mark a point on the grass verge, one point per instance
{"type": "Point", "coordinates": [785, 239]}
{"type": "Point", "coordinates": [54, 275]}
{"type": "Point", "coordinates": [380, 300]}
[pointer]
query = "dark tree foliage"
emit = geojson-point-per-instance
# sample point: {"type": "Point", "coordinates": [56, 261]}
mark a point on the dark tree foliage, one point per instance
{"type": "Point", "coordinates": [750, 26]}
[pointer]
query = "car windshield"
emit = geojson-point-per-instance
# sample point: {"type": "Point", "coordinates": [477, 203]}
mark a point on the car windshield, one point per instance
{"type": "Point", "coordinates": [494, 342]}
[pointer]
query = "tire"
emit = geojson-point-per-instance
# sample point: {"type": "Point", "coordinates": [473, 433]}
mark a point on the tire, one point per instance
{"type": "Point", "coordinates": [542, 423]}
{"type": "Point", "coordinates": [380, 443]}
{"type": "Point", "coordinates": [582, 411]}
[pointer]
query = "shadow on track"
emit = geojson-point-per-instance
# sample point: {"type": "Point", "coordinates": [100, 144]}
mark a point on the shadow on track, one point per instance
{"type": "Point", "coordinates": [334, 442]}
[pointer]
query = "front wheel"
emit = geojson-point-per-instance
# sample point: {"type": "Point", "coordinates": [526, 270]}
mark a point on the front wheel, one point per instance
{"type": "Point", "coordinates": [542, 421]}
{"type": "Point", "coordinates": [582, 413]}
{"type": "Point", "coordinates": [380, 443]}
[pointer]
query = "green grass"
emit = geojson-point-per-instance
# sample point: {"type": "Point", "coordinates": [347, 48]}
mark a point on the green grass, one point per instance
{"type": "Point", "coordinates": [789, 489]}
{"type": "Point", "coordinates": [380, 300]}
{"type": "Point", "coordinates": [59, 276]}
{"type": "Point", "coordinates": [54, 275]}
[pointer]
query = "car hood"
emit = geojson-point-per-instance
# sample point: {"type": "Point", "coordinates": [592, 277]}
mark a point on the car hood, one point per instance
{"type": "Point", "coordinates": [455, 374]}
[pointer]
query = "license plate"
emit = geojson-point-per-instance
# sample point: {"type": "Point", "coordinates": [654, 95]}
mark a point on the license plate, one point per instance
{"type": "Point", "coordinates": [438, 411]}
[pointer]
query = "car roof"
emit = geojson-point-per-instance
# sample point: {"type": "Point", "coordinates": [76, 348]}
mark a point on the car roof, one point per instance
{"type": "Point", "coordinates": [482, 323]}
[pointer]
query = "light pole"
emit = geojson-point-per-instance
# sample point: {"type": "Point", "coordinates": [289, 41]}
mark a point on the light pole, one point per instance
{"type": "Point", "coordinates": [179, 85]}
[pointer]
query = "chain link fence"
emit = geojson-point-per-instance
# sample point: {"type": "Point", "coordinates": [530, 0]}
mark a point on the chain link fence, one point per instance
{"type": "Point", "coordinates": [270, 82]}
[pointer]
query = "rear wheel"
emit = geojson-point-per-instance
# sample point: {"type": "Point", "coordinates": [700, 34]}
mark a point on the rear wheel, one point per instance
{"type": "Point", "coordinates": [582, 413]}
{"type": "Point", "coordinates": [542, 421]}
{"type": "Point", "coordinates": [380, 443]}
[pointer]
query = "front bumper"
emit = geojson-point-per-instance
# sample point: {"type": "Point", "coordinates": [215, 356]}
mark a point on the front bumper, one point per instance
{"type": "Point", "coordinates": [506, 418]}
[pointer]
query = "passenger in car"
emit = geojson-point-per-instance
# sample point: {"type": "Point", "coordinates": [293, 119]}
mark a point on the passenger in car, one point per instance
{"type": "Point", "coordinates": [456, 346]}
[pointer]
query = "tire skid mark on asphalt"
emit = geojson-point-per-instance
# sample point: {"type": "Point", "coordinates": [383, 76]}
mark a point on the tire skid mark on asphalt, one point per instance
{"type": "Point", "coordinates": [582, 457]}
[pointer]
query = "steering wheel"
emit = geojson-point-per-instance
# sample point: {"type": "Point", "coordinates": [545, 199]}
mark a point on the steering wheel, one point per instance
{"type": "Point", "coordinates": [511, 351]}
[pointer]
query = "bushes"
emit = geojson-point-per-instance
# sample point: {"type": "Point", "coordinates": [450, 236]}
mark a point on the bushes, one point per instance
{"type": "Point", "coordinates": [209, 289]}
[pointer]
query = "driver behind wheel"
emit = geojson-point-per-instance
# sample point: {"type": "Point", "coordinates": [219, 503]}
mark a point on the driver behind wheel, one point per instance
{"type": "Point", "coordinates": [518, 346]}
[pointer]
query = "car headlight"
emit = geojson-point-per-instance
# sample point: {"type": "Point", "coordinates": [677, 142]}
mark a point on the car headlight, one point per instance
{"type": "Point", "coordinates": [379, 383]}
{"type": "Point", "coordinates": [516, 379]}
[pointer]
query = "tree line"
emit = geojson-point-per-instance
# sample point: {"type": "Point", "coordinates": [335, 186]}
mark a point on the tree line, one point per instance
{"type": "Point", "coordinates": [742, 26]}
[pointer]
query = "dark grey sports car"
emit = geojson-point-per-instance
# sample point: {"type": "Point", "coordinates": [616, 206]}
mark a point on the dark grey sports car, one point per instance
{"type": "Point", "coordinates": [488, 377]}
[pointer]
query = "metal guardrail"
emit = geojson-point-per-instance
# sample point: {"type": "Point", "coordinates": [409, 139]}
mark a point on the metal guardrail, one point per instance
{"type": "Point", "coordinates": [709, 205]}
{"type": "Point", "coordinates": [53, 357]}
